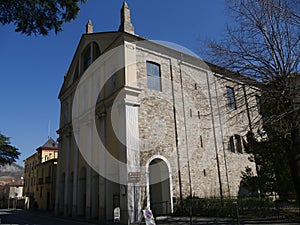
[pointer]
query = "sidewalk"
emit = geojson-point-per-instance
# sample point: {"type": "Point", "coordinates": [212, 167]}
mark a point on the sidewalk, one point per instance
{"type": "Point", "coordinates": [22, 217]}
{"type": "Point", "coordinates": [202, 220]}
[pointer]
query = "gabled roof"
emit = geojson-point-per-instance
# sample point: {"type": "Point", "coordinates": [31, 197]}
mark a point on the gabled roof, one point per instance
{"type": "Point", "coordinates": [49, 144]}
{"type": "Point", "coordinates": [226, 73]}
{"type": "Point", "coordinates": [105, 41]}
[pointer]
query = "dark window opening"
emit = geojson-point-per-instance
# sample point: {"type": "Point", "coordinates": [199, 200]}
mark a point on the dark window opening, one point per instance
{"type": "Point", "coordinates": [201, 141]}
{"type": "Point", "coordinates": [87, 59]}
{"type": "Point", "coordinates": [238, 143]}
{"type": "Point", "coordinates": [258, 103]}
{"type": "Point", "coordinates": [231, 145]}
{"type": "Point", "coordinates": [96, 51]}
{"type": "Point", "coordinates": [230, 98]}
{"type": "Point", "coordinates": [41, 192]}
{"type": "Point", "coordinates": [235, 144]}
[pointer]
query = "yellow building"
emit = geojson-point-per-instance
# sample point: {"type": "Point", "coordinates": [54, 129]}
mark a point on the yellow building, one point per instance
{"type": "Point", "coordinates": [40, 176]}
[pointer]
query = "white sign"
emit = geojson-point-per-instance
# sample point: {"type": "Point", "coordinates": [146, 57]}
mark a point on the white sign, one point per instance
{"type": "Point", "coordinates": [15, 192]}
{"type": "Point", "coordinates": [134, 177]}
{"type": "Point", "coordinates": [149, 219]}
{"type": "Point", "coordinates": [117, 215]}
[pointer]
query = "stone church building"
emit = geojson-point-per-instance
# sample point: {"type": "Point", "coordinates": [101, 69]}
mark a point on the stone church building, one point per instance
{"type": "Point", "coordinates": [146, 124]}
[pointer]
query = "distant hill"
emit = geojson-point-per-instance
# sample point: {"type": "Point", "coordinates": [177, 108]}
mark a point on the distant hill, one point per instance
{"type": "Point", "coordinates": [13, 170]}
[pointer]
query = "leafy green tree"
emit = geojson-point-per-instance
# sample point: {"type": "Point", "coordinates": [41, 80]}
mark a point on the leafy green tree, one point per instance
{"type": "Point", "coordinates": [273, 173]}
{"type": "Point", "coordinates": [8, 153]}
{"type": "Point", "coordinates": [263, 43]}
{"type": "Point", "coordinates": [38, 16]}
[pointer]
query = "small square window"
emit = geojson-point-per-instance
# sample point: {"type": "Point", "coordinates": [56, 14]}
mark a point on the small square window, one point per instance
{"type": "Point", "coordinates": [235, 144]}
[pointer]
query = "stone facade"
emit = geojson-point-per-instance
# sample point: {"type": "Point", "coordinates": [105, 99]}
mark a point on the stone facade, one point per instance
{"type": "Point", "coordinates": [203, 124]}
{"type": "Point", "coordinates": [125, 143]}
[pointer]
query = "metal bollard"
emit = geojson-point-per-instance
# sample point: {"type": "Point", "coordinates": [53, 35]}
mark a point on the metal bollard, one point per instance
{"type": "Point", "coordinates": [237, 213]}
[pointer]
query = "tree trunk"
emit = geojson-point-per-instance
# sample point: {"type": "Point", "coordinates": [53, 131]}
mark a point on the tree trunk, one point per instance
{"type": "Point", "coordinates": [294, 160]}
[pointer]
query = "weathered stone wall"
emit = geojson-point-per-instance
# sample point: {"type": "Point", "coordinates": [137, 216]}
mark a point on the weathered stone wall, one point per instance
{"type": "Point", "coordinates": [204, 125]}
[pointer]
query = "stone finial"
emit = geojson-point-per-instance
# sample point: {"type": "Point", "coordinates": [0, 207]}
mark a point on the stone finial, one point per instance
{"type": "Point", "coordinates": [89, 27]}
{"type": "Point", "coordinates": [126, 25]}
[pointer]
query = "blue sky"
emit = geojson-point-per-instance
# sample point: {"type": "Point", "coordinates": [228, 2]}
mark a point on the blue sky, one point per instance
{"type": "Point", "coordinates": [32, 68]}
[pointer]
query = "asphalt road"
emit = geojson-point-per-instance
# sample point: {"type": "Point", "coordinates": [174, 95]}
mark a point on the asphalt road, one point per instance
{"type": "Point", "coordinates": [22, 217]}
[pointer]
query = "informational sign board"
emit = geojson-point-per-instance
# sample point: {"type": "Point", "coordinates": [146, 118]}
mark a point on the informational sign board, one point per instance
{"type": "Point", "coordinates": [149, 219]}
{"type": "Point", "coordinates": [134, 177]}
{"type": "Point", "coordinates": [15, 192]}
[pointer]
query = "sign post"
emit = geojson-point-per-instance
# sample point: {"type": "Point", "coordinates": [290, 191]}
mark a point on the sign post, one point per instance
{"type": "Point", "coordinates": [149, 219]}
{"type": "Point", "coordinates": [134, 177]}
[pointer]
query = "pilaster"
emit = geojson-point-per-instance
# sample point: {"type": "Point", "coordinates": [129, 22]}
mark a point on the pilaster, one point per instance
{"type": "Point", "coordinates": [57, 205]}
{"type": "Point", "coordinates": [102, 170]}
{"type": "Point", "coordinates": [129, 153]}
{"type": "Point", "coordinates": [67, 168]}
{"type": "Point", "coordinates": [89, 170]}
{"type": "Point", "coordinates": [75, 177]}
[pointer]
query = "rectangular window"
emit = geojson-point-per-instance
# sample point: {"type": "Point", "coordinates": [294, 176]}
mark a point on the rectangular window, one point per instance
{"type": "Point", "coordinates": [258, 103]}
{"type": "Point", "coordinates": [49, 171]}
{"type": "Point", "coordinates": [230, 98]}
{"type": "Point", "coordinates": [238, 143]}
{"type": "Point", "coordinates": [153, 76]}
{"type": "Point", "coordinates": [231, 145]}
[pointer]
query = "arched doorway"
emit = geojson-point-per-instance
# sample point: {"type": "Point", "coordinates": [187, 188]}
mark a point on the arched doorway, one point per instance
{"type": "Point", "coordinates": [159, 186]}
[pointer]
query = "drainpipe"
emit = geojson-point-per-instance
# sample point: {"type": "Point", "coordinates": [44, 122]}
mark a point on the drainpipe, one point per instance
{"type": "Point", "coordinates": [176, 138]}
{"type": "Point", "coordinates": [221, 130]}
{"type": "Point", "coordinates": [247, 108]}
